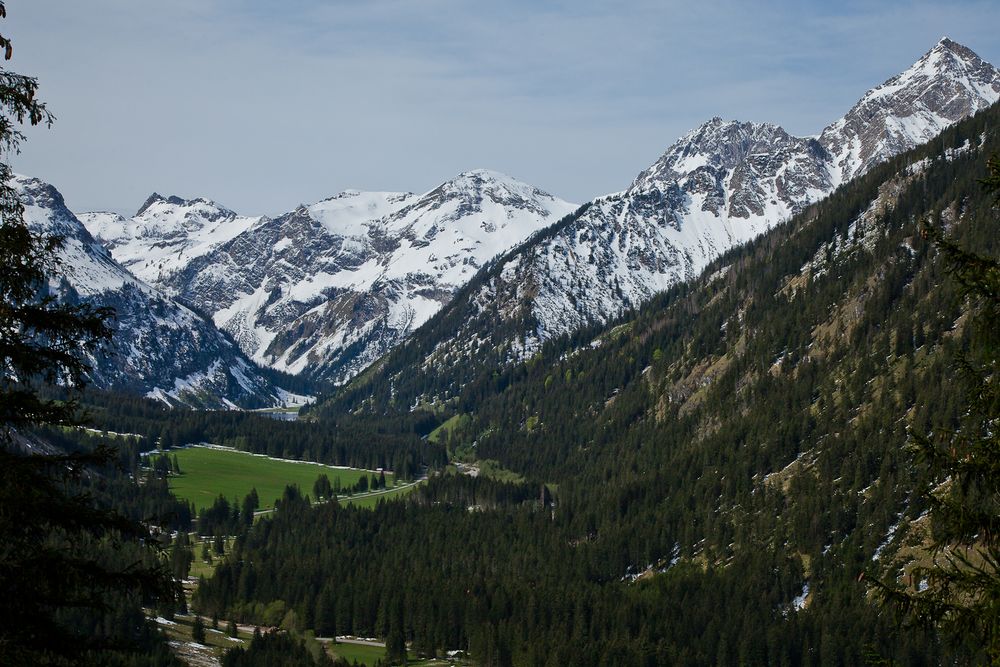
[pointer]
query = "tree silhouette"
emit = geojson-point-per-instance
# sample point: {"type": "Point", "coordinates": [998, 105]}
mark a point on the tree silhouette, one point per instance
{"type": "Point", "coordinates": [62, 558]}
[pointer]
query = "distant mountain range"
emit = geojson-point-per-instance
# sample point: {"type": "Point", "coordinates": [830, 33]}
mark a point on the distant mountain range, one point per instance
{"type": "Point", "coordinates": [328, 289]}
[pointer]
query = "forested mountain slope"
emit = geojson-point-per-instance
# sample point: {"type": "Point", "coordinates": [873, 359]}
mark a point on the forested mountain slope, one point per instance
{"type": "Point", "coordinates": [725, 463]}
{"type": "Point", "coordinates": [717, 187]}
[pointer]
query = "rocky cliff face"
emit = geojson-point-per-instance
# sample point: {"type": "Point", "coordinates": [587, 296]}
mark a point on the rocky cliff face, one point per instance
{"type": "Point", "coordinates": [160, 348]}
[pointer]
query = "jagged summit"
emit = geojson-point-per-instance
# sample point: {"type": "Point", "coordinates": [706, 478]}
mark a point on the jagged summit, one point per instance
{"type": "Point", "coordinates": [948, 44]}
{"type": "Point", "coordinates": [946, 84]}
{"type": "Point", "coordinates": [166, 233]}
{"type": "Point", "coordinates": [173, 200]}
{"type": "Point", "coordinates": [152, 199]}
{"type": "Point", "coordinates": [720, 145]}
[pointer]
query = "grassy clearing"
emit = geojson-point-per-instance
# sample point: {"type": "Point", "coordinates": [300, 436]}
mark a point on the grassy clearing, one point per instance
{"type": "Point", "coordinates": [363, 655]}
{"type": "Point", "coordinates": [447, 427]}
{"type": "Point", "coordinates": [492, 469]}
{"type": "Point", "coordinates": [368, 655]}
{"type": "Point", "coordinates": [457, 451]}
{"type": "Point", "coordinates": [371, 500]}
{"type": "Point", "coordinates": [208, 472]}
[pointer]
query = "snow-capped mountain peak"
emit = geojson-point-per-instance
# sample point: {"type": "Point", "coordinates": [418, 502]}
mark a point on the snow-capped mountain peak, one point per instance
{"type": "Point", "coordinates": [946, 84]}
{"type": "Point", "coordinates": [482, 184]}
{"type": "Point", "coordinates": [474, 205]}
{"type": "Point", "coordinates": [190, 208]}
{"type": "Point", "coordinates": [166, 233]}
{"type": "Point", "coordinates": [718, 146]}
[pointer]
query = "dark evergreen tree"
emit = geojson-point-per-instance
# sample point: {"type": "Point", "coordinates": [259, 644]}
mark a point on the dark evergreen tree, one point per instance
{"type": "Point", "coordinates": [181, 557]}
{"type": "Point", "coordinates": [251, 503]}
{"type": "Point", "coordinates": [198, 630]}
{"type": "Point", "coordinates": [321, 487]}
{"type": "Point", "coordinates": [395, 640]}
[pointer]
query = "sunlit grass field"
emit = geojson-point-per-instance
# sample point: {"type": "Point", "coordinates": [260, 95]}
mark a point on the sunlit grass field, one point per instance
{"type": "Point", "coordinates": [208, 472]}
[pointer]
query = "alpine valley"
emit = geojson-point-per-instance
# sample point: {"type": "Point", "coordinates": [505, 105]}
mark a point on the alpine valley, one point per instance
{"type": "Point", "coordinates": [714, 478]}
{"type": "Point", "coordinates": [672, 425]}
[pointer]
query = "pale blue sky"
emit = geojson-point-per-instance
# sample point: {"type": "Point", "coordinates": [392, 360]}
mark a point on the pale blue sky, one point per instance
{"type": "Point", "coordinates": [265, 105]}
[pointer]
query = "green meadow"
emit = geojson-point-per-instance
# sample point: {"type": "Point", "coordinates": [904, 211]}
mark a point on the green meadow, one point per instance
{"type": "Point", "coordinates": [207, 472]}
{"type": "Point", "coordinates": [361, 654]}
{"type": "Point", "coordinates": [357, 653]}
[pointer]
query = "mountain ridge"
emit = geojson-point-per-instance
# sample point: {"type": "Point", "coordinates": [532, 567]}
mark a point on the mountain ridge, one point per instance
{"type": "Point", "coordinates": [328, 287]}
{"type": "Point", "coordinates": [718, 186]}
